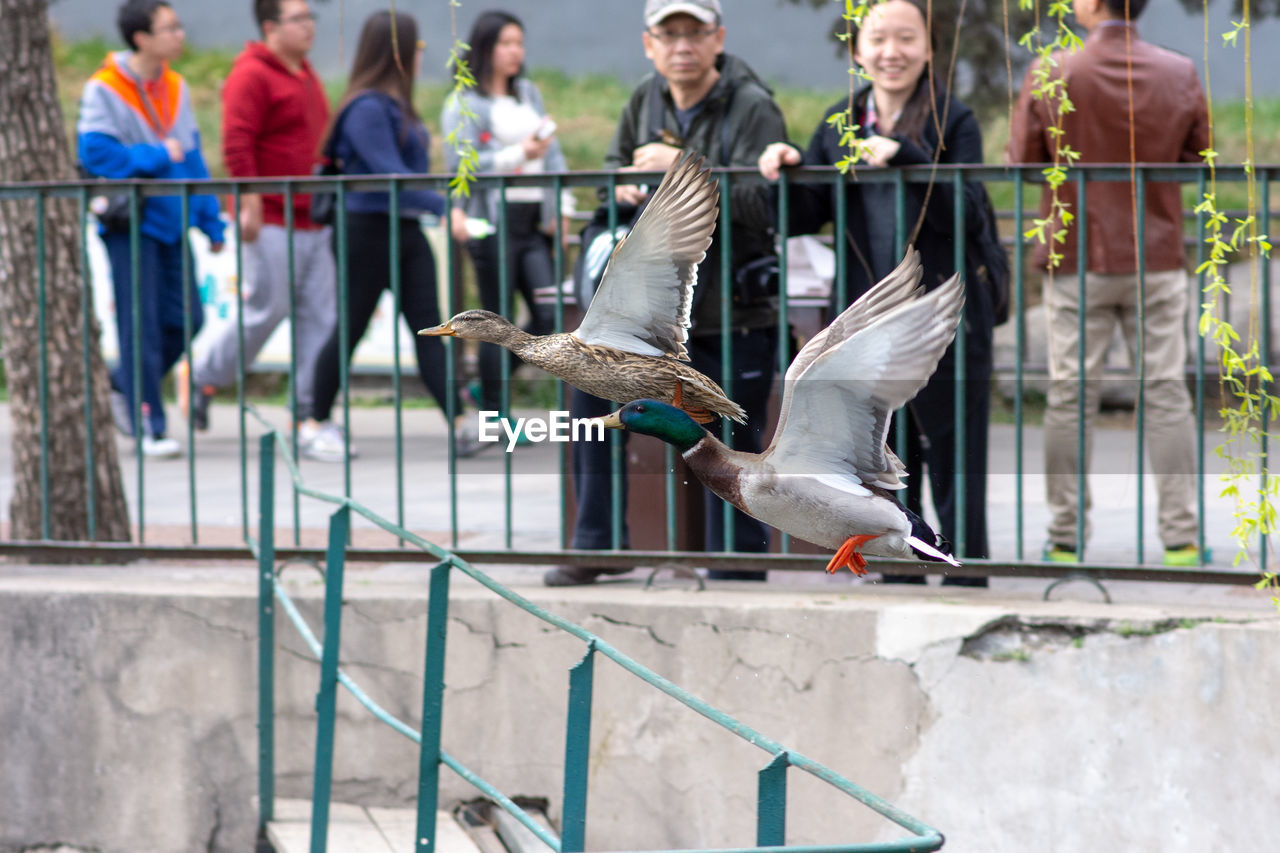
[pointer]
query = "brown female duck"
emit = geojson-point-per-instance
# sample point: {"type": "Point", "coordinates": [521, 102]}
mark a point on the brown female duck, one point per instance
{"type": "Point", "coordinates": [631, 342]}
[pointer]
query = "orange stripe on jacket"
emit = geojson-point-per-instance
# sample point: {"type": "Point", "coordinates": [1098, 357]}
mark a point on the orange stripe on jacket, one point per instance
{"type": "Point", "coordinates": [163, 93]}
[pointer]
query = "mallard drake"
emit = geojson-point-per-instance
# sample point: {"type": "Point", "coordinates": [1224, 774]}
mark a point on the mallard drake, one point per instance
{"type": "Point", "coordinates": [631, 342]}
{"type": "Point", "coordinates": [828, 475]}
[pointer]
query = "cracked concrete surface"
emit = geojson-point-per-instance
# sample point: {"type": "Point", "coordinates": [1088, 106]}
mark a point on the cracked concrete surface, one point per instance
{"type": "Point", "coordinates": [128, 718]}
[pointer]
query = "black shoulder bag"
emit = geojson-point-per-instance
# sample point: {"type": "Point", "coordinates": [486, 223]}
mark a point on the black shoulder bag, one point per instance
{"type": "Point", "coordinates": [324, 203]}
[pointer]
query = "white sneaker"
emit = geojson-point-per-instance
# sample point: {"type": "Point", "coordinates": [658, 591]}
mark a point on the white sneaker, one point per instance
{"type": "Point", "coordinates": [307, 431]}
{"type": "Point", "coordinates": [327, 444]}
{"type": "Point", "coordinates": [160, 447]}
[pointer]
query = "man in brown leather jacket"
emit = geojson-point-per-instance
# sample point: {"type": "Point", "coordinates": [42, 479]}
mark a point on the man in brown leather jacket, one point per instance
{"type": "Point", "coordinates": [1169, 125]}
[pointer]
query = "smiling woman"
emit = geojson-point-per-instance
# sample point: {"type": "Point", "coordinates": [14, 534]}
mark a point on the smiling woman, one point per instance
{"type": "Point", "coordinates": [909, 118]}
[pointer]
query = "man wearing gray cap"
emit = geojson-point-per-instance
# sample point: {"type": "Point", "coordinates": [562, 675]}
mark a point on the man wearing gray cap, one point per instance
{"type": "Point", "coordinates": [702, 98]}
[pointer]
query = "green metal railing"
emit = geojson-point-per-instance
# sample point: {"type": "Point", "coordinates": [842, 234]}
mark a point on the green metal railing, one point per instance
{"type": "Point", "coordinates": [772, 779]}
{"type": "Point", "coordinates": [1023, 561]}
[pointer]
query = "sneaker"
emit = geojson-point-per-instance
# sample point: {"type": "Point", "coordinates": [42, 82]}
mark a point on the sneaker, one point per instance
{"type": "Point", "coordinates": [1186, 556]}
{"type": "Point", "coordinates": [577, 575]}
{"type": "Point", "coordinates": [467, 443]}
{"type": "Point", "coordinates": [120, 413]}
{"type": "Point", "coordinates": [327, 444]}
{"type": "Point", "coordinates": [1055, 553]}
{"type": "Point", "coordinates": [160, 447]}
{"type": "Point", "coordinates": [307, 431]}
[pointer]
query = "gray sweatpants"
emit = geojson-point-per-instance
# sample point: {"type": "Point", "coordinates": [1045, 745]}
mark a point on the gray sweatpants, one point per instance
{"type": "Point", "coordinates": [266, 303]}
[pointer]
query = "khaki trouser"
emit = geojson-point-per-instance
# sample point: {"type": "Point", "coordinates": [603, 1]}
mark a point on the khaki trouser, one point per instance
{"type": "Point", "coordinates": [1169, 423]}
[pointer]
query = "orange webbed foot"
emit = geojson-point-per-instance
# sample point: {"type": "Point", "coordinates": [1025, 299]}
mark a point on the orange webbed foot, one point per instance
{"type": "Point", "coordinates": [847, 555]}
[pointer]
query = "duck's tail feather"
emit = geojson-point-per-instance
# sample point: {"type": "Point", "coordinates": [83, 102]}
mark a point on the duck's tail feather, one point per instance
{"type": "Point", "coordinates": [928, 552]}
{"type": "Point", "coordinates": [926, 543]}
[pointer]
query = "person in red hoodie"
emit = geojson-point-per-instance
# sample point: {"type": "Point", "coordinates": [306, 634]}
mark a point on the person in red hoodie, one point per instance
{"type": "Point", "coordinates": [274, 115]}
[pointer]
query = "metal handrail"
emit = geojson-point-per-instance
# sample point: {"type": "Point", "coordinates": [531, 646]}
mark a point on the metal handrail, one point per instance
{"type": "Point", "coordinates": [771, 808]}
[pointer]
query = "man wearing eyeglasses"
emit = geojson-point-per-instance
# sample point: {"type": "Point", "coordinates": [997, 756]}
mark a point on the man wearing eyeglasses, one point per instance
{"type": "Point", "coordinates": [274, 115]}
{"type": "Point", "coordinates": [702, 98]}
{"type": "Point", "coordinates": [136, 121]}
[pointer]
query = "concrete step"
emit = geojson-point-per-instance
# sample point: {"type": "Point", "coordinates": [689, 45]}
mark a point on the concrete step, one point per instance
{"type": "Point", "coordinates": [361, 829]}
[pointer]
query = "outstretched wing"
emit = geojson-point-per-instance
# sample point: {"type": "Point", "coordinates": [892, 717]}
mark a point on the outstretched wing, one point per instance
{"type": "Point", "coordinates": [643, 302]}
{"type": "Point", "coordinates": [894, 290]}
{"type": "Point", "coordinates": [842, 401]}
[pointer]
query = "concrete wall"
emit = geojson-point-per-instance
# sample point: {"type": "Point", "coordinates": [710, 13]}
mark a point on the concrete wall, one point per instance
{"type": "Point", "coordinates": [127, 712]}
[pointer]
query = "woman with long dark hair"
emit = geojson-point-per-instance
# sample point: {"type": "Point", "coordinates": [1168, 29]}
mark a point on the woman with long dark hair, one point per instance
{"type": "Point", "coordinates": [376, 131]}
{"type": "Point", "coordinates": [907, 117]}
{"type": "Point", "coordinates": [505, 120]}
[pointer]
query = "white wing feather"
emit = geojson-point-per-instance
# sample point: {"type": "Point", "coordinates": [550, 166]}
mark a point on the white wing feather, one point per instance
{"type": "Point", "coordinates": [842, 399]}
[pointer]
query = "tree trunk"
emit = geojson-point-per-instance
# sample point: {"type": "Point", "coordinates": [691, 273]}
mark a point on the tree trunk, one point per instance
{"type": "Point", "coordinates": [33, 147]}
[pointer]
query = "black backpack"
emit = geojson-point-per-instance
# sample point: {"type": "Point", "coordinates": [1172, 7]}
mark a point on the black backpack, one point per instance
{"type": "Point", "coordinates": [991, 261]}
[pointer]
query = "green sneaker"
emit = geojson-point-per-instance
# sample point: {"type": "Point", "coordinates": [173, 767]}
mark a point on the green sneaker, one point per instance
{"type": "Point", "coordinates": [1055, 553]}
{"type": "Point", "coordinates": [1186, 556]}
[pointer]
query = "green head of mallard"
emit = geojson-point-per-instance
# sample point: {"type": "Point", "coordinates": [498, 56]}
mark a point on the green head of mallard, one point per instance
{"type": "Point", "coordinates": [649, 417]}
{"type": "Point", "coordinates": [477, 325]}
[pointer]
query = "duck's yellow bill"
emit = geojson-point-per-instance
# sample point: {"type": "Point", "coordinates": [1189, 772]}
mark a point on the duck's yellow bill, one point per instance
{"type": "Point", "coordinates": [443, 330]}
{"type": "Point", "coordinates": [612, 421]}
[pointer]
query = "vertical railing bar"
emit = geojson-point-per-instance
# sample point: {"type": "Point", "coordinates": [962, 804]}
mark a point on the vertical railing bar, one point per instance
{"type": "Point", "coordinates": [1141, 366]}
{"type": "Point", "coordinates": [397, 400]}
{"type": "Point", "coordinates": [188, 376]}
{"type": "Point", "coordinates": [432, 707]}
{"type": "Point", "coordinates": [784, 334]}
{"type": "Point", "coordinates": [450, 367]}
{"type": "Point", "coordinates": [241, 367]}
{"type": "Point", "coordinates": [42, 318]}
{"type": "Point", "coordinates": [899, 247]}
{"type": "Point", "coordinates": [960, 397]}
{"type": "Point", "coordinates": [616, 459]}
{"type": "Point", "coordinates": [1082, 270]}
{"type": "Point", "coordinates": [557, 260]}
{"type": "Point", "coordinates": [577, 754]}
{"type": "Point", "coordinates": [344, 331]}
{"type": "Point", "coordinates": [86, 327]}
{"type": "Point", "coordinates": [504, 308]}
{"type": "Point", "coordinates": [726, 339]}
{"type": "Point", "coordinates": [327, 695]}
{"type": "Point", "coordinates": [1264, 272]}
{"type": "Point", "coordinates": [1199, 374]}
{"type": "Point", "coordinates": [135, 311]}
{"type": "Point", "coordinates": [1019, 350]}
{"type": "Point", "coordinates": [292, 264]}
{"type": "Point", "coordinates": [266, 631]}
{"type": "Point", "coordinates": [841, 238]}
{"type": "Point", "coordinates": [771, 803]}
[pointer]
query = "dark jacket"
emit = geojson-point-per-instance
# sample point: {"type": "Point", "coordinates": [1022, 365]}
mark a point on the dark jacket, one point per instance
{"type": "Point", "coordinates": [813, 206]}
{"type": "Point", "coordinates": [1171, 125]}
{"type": "Point", "coordinates": [372, 141]}
{"type": "Point", "coordinates": [738, 119]}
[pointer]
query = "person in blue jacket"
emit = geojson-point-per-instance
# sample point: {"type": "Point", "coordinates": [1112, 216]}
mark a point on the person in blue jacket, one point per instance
{"type": "Point", "coordinates": [136, 121]}
{"type": "Point", "coordinates": [376, 131]}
